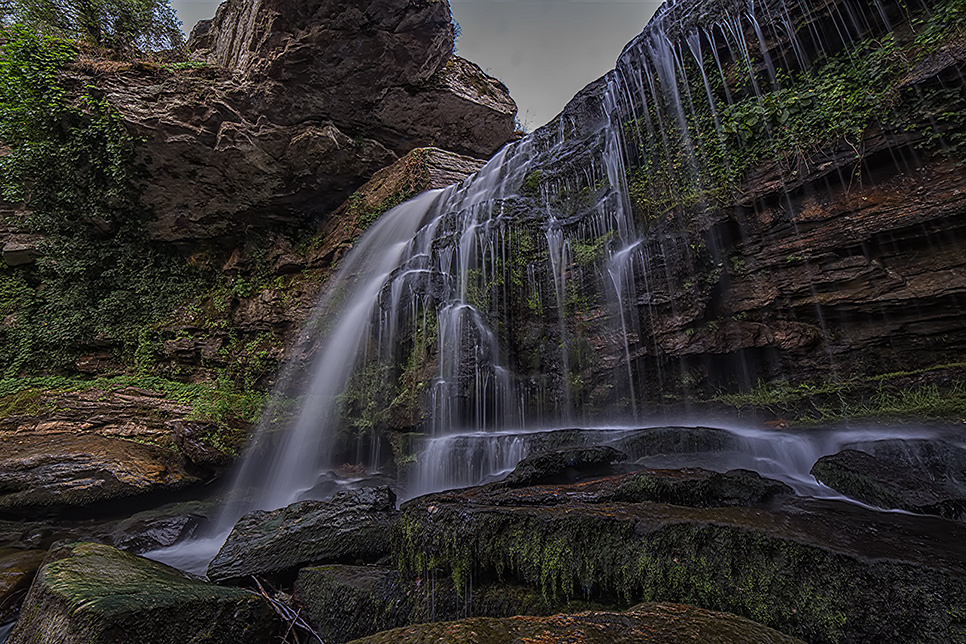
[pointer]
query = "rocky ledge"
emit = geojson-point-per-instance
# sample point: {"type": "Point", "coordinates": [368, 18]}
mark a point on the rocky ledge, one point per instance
{"type": "Point", "coordinates": [296, 105]}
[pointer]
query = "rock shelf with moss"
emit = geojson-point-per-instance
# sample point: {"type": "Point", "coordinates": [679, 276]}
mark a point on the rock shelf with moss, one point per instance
{"type": "Point", "coordinates": [822, 571]}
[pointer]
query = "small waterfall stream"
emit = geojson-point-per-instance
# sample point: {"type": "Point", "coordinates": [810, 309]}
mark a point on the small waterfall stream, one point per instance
{"type": "Point", "coordinates": [486, 316]}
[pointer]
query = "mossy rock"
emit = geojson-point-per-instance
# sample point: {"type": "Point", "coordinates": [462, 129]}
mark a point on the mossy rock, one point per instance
{"type": "Point", "coordinates": [347, 602]}
{"type": "Point", "coordinates": [695, 487]}
{"type": "Point", "coordinates": [823, 571]}
{"type": "Point", "coordinates": [88, 593]}
{"type": "Point", "coordinates": [645, 624]}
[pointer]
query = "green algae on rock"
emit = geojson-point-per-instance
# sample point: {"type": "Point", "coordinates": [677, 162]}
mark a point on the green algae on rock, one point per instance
{"type": "Point", "coordinates": [88, 593]}
{"type": "Point", "coordinates": [644, 624]}
{"type": "Point", "coordinates": [826, 572]}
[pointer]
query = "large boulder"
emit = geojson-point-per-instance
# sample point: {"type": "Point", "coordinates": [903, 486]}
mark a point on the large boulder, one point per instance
{"type": "Point", "coordinates": [94, 594]}
{"type": "Point", "coordinates": [820, 570]}
{"type": "Point", "coordinates": [303, 101]}
{"type": "Point", "coordinates": [644, 624]}
{"type": "Point", "coordinates": [352, 527]}
{"type": "Point", "coordinates": [50, 472]}
{"type": "Point", "coordinates": [917, 476]}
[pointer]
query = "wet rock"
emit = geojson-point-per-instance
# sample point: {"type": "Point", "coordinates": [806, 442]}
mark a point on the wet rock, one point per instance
{"type": "Point", "coordinates": [644, 624]}
{"type": "Point", "coordinates": [891, 483]}
{"type": "Point", "coordinates": [663, 441]}
{"type": "Point", "coordinates": [160, 527]}
{"type": "Point", "coordinates": [343, 603]}
{"type": "Point", "coordinates": [565, 465]}
{"type": "Point", "coordinates": [19, 254]}
{"type": "Point", "coordinates": [822, 571]}
{"type": "Point", "coordinates": [347, 602]}
{"type": "Point", "coordinates": [90, 593]}
{"type": "Point", "coordinates": [17, 569]}
{"type": "Point", "coordinates": [49, 472]}
{"type": "Point", "coordinates": [192, 437]}
{"type": "Point", "coordinates": [695, 487]}
{"type": "Point", "coordinates": [420, 170]}
{"type": "Point", "coordinates": [352, 527]}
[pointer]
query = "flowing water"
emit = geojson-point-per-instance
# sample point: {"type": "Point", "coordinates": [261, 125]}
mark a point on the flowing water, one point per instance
{"type": "Point", "coordinates": [475, 315]}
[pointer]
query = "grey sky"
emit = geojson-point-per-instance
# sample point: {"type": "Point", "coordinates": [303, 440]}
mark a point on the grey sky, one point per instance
{"type": "Point", "coordinates": [545, 51]}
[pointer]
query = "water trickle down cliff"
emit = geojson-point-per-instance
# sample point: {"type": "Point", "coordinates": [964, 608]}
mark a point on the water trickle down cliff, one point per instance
{"type": "Point", "coordinates": [759, 189]}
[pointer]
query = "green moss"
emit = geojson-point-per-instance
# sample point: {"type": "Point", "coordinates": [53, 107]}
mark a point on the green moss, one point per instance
{"type": "Point", "coordinates": [891, 397]}
{"type": "Point", "coordinates": [217, 402]}
{"type": "Point", "coordinates": [532, 182]}
{"type": "Point", "coordinates": [802, 590]}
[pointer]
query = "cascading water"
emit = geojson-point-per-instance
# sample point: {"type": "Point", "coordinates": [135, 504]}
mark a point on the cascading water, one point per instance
{"type": "Point", "coordinates": [580, 276]}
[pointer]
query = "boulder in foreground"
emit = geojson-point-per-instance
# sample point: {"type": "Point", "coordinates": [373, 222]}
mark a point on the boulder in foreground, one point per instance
{"type": "Point", "coordinates": [95, 594]}
{"type": "Point", "coordinates": [352, 527]}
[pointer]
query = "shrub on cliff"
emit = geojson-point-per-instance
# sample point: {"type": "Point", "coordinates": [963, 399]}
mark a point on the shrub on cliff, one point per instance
{"type": "Point", "coordinates": [72, 164]}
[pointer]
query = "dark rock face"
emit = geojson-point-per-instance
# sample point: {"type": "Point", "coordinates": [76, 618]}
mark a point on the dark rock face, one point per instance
{"type": "Point", "coordinates": [560, 466]}
{"type": "Point", "coordinates": [917, 476]}
{"type": "Point", "coordinates": [304, 102]}
{"type": "Point", "coordinates": [383, 69]}
{"type": "Point", "coordinates": [352, 527]}
{"type": "Point", "coordinates": [17, 570]}
{"type": "Point", "coordinates": [822, 571]}
{"type": "Point", "coordinates": [644, 624]}
{"type": "Point", "coordinates": [90, 593]}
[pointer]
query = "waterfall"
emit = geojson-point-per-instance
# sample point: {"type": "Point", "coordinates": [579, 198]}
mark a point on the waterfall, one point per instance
{"type": "Point", "coordinates": [579, 277]}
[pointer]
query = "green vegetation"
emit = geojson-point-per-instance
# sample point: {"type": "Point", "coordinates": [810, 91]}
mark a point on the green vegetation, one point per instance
{"type": "Point", "coordinates": [416, 179]}
{"type": "Point", "coordinates": [719, 559]}
{"type": "Point", "coordinates": [99, 280]}
{"type": "Point", "coordinates": [796, 122]}
{"type": "Point", "coordinates": [893, 397]}
{"type": "Point", "coordinates": [216, 401]}
{"type": "Point", "coordinates": [124, 26]}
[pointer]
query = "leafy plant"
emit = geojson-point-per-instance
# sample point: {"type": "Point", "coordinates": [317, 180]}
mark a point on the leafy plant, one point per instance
{"type": "Point", "coordinates": [72, 164]}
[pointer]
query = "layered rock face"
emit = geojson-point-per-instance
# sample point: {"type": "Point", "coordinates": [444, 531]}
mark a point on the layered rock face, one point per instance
{"type": "Point", "coordinates": [301, 104]}
{"type": "Point", "coordinates": [382, 69]}
{"type": "Point", "coordinates": [754, 195]}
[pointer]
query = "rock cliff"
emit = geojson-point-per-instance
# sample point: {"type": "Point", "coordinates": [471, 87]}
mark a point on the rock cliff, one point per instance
{"type": "Point", "coordinates": [295, 106]}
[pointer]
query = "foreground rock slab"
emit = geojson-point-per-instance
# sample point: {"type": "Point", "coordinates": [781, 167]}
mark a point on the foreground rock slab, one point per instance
{"type": "Point", "coordinates": [94, 594]}
{"type": "Point", "coordinates": [645, 624]}
{"type": "Point", "coordinates": [822, 571]}
{"type": "Point", "coordinates": [344, 603]}
{"type": "Point", "coordinates": [352, 527]}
